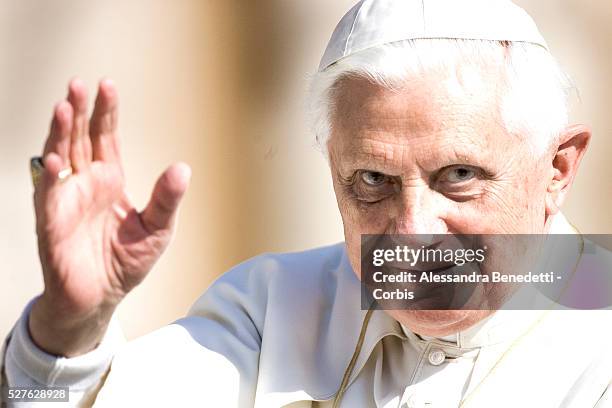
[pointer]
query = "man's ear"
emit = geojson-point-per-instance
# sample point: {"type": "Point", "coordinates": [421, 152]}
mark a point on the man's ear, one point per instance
{"type": "Point", "coordinates": [572, 146]}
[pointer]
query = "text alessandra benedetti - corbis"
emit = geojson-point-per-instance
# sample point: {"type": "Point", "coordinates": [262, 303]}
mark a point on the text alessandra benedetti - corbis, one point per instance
{"type": "Point", "coordinates": [474, 277]}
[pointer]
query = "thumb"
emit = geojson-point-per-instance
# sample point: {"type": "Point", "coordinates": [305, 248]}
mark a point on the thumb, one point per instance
{"type": "Point", "coordinates": [160, 213]}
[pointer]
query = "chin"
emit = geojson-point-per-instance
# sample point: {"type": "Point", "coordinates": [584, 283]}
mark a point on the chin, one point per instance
{"type": "Point", "coordinates": [438, 323]}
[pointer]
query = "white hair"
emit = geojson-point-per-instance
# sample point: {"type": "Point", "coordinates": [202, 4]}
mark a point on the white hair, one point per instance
{"type": "Point", "coordinates": [534, 98]}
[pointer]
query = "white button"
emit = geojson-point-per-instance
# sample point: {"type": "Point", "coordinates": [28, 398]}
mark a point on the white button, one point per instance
{"type": "Point", "coordinates": [436, 357]}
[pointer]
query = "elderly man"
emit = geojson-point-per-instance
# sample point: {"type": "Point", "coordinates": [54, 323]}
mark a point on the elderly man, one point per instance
{"type": "Point", "coordinates": [439, 117]}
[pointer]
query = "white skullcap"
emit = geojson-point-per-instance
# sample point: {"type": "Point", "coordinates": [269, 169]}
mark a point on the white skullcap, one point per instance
{"type": "Point", "coordinates": [375, 22]}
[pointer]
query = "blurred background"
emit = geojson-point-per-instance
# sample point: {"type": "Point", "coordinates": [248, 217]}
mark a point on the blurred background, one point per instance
{"type": "Point", "coordinates": [221, 85]}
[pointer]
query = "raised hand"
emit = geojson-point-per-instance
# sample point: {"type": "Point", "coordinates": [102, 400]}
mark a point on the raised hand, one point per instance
{"type": "Point", "coordinates": [94, 246]}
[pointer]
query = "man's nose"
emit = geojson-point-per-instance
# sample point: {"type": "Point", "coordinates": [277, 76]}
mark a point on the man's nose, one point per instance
{"type": "Point", "coordinates": [419, 212]}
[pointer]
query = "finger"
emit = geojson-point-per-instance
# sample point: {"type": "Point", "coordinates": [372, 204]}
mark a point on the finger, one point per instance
{"type": "Point", "coordinates": [80, 145]}
{"type": "Point", "coordinates": [47, 191]}
{"type": "Point", "coordinates": [58, 140]}
{"type": "Point", "coordinates": [103, 123]}
{"type": "Point", "coordinates": [53, 165]}
{"type": "Point", "coordinates": [169, 189]}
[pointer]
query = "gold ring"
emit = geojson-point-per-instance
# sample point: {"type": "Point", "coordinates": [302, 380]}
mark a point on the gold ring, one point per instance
{"type": "Point", "coordinates": [37, 168]}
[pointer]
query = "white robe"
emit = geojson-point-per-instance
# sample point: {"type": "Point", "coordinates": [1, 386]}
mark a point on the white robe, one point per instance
{"type": "Point", "coordinates": [280, 330]}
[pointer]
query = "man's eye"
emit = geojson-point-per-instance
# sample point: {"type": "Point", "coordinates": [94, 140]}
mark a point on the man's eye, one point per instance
{"type": "Point", "coordinates": [460, 174]}
{"type": "Point", "coordinates": [373, 179]}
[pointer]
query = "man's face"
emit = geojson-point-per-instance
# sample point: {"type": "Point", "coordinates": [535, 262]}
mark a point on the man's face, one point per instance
{"type": "Point", "coordinates": [434, 157]}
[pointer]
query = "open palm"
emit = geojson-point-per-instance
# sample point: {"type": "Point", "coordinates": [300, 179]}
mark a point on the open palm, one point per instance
{"type": "Point", "coordinates": [94, 245]}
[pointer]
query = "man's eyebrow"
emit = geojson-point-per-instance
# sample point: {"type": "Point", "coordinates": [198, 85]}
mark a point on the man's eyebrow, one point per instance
{"type": "Point", "coordinates": [357, 157]}
{"type": "Point", "coordinates": [366, 161]}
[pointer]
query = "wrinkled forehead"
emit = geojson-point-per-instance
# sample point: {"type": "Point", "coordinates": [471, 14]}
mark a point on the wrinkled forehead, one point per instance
{"type": "Point", "coordinates": [429, 101]}
{"type": "Point", "coordinates": [436, 112]}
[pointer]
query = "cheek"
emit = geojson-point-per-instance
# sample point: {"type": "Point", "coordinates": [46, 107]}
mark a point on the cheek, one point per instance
{"type": "Point", "coordinates": [512, 206]}
{"type": "Point", "coordinates": [529, 192]}
{"type": "Point", "coordinates": [358, 220]}
{"type": "Point", "coordinates": [365, 219]}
